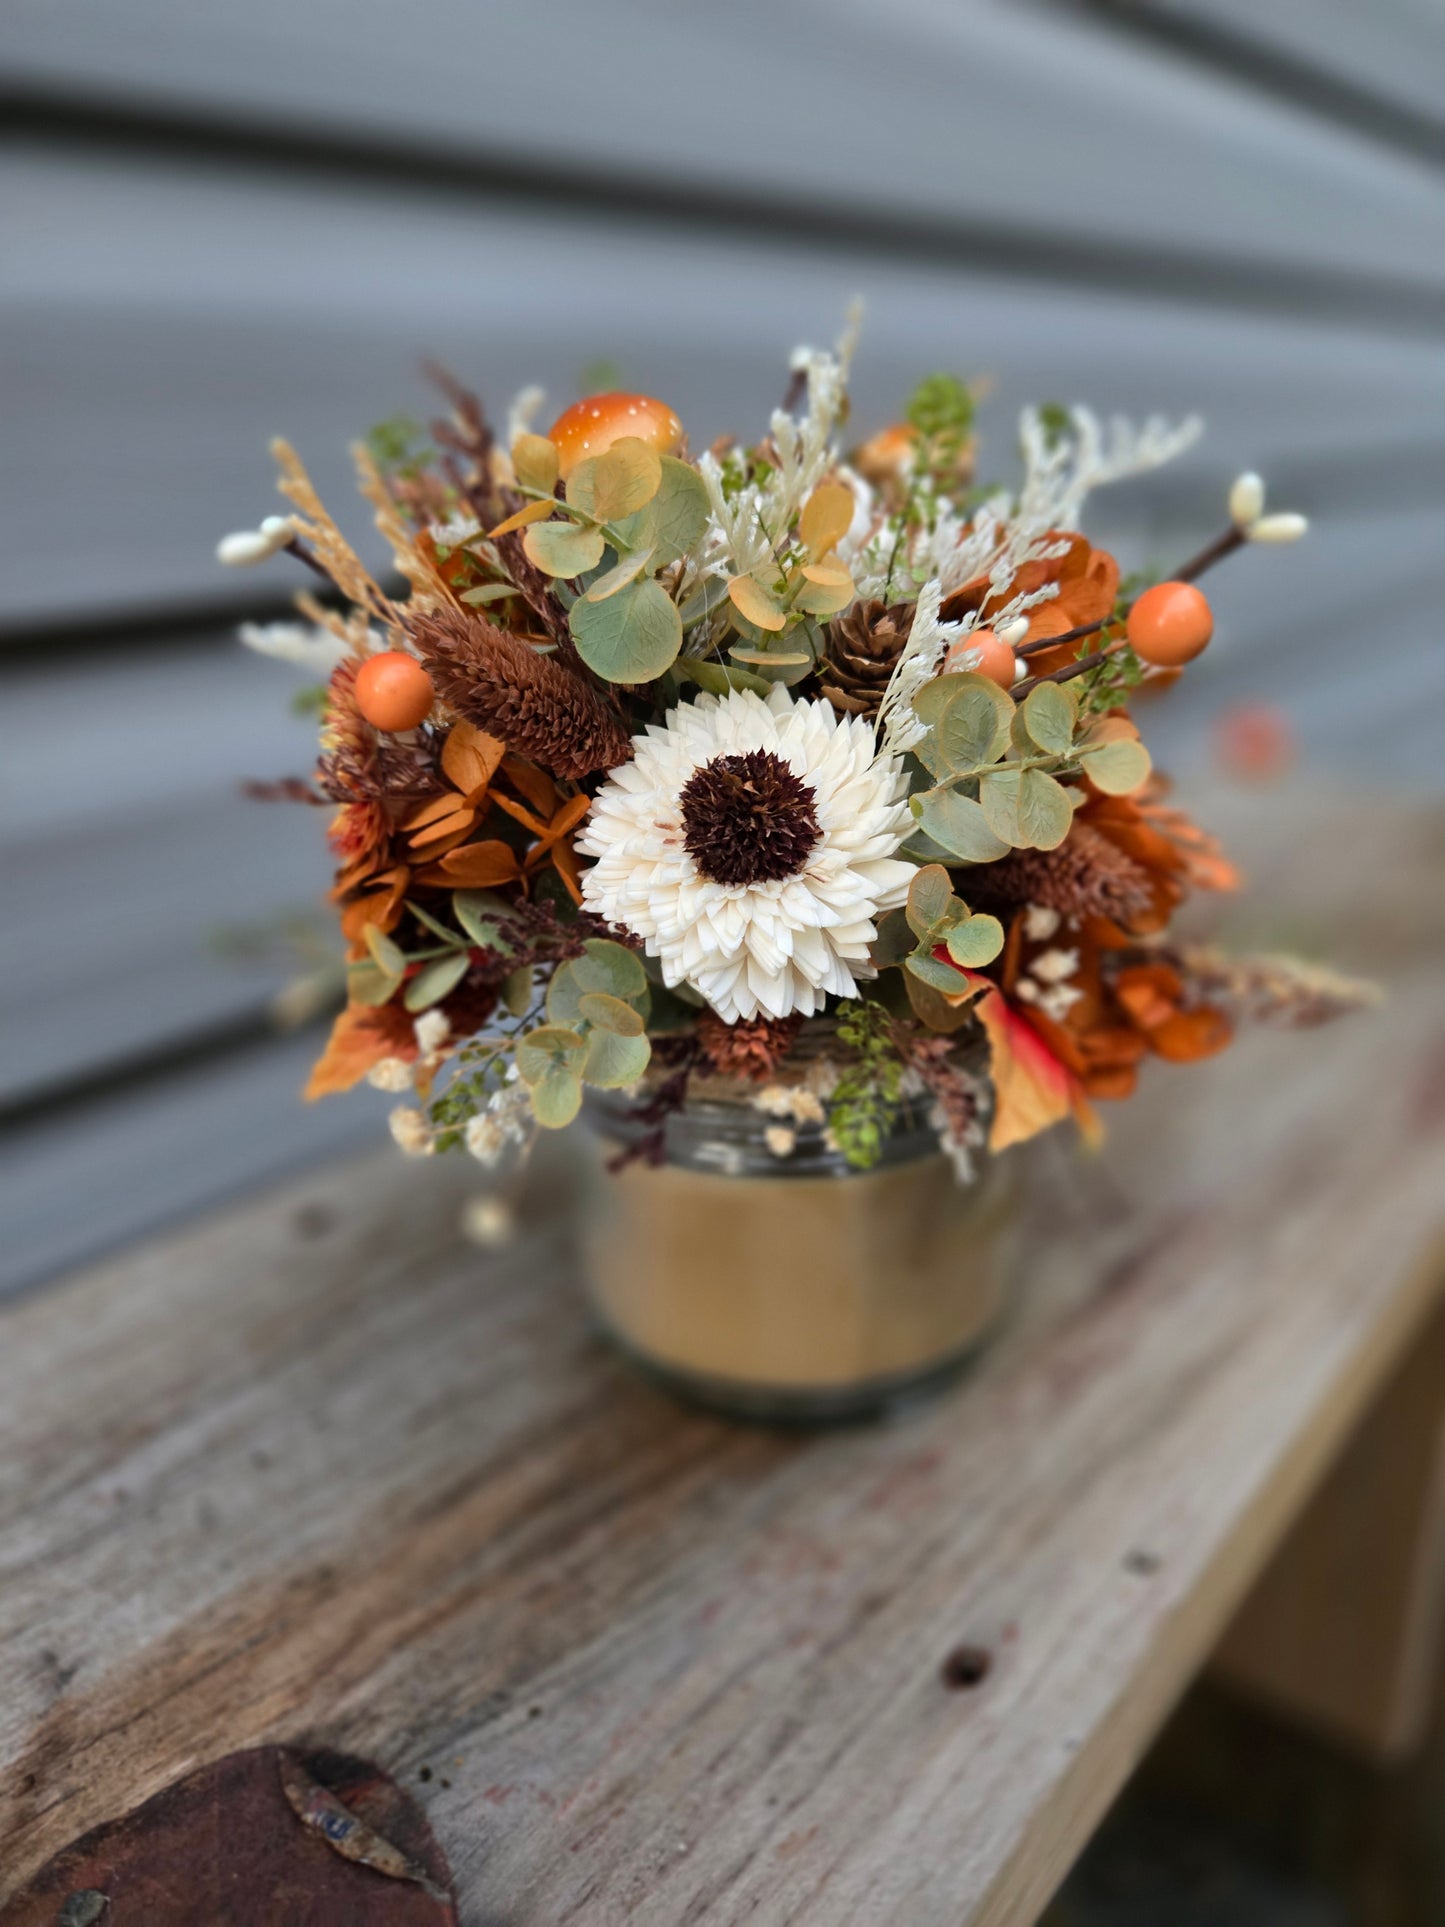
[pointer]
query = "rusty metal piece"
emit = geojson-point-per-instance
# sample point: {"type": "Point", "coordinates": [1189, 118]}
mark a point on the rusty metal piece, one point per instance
{"type": "Point", "coordinates": [316, 1807]}
{"type": "Point", "coordinates": [270, 1837]}
{"type": "Point", "coordinates": [83, 1908]}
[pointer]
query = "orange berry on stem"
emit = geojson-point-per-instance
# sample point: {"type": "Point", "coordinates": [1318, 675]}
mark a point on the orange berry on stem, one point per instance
{"type": "Point", "coordinates": [1170, 624]}
{"type": "Point", "coordinates": [393, 691]}
{"type": "Point", "coordinates": [592, 425]}
{"type": "Point", "coordinates": [985, 654]}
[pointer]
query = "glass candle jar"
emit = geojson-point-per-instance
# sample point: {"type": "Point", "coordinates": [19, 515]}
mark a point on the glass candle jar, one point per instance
{"type": "Point", "coordinates": [789, 1288]}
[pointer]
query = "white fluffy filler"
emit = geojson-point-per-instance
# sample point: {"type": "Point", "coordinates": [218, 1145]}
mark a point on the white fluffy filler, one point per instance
{"type": "Point", "coordinates": [773, 947]}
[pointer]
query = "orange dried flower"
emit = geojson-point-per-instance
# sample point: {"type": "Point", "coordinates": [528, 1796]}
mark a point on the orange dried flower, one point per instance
{"type": "Point", "coordinates": [1088, 580]}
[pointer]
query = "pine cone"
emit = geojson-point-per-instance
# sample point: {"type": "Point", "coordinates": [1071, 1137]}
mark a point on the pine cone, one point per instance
{"type": "Point", "coordinates": [864, 644]}
{"type": "Point", "coordinates": [751, 1049]}
{"type": "Point", "coordinates": [528, 701]}
{"type": "Point", "coordinates": [1086, 876]}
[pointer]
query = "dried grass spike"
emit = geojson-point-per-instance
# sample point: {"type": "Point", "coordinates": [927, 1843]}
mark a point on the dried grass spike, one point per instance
{"type": "Point", "coordinates": [334, 552]}
{"type": "Point", "coordinates": [428, 588]}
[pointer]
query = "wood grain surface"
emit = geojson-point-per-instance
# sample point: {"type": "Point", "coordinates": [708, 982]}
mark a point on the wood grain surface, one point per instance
{"type": "Point", "coordinates": [318, 1472]}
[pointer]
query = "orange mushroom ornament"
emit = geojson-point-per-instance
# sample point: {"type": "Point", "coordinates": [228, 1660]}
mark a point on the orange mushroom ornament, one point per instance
{"type": "Point", "coordinates": [592, 425]}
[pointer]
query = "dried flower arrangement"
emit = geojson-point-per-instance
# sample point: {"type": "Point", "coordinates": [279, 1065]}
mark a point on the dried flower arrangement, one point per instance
{"type": "Point", "coordinates": [808, 770]}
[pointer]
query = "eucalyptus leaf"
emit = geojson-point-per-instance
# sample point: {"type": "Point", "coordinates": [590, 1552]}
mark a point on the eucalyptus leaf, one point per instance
{"type": "Point", "coordinates": [935, 696]}
{"type": "Point", "coordinates": [785, 666]}
{"type": "Point", "coordinates": [546, 1048]}
{"type": "Point", "coordinates": [627, 570]}
{"type": "Point", "coordinates": [534, 462]}
{"type": "Point", "coordinates": [1051, 712]}
{"type": "Point", "coordinates": [941, 977]}
{"type": "Point", "coordinates": [706, 599]}
{"type": "Point", "coordinates": [894, 940]}
{"type": "Point", "coordinates": [563, 548]}
{"type": "Point", "coordinates": [773, 658]}
{"type": "Point", "coordinates": [974, 942]}
{"type": "Point", "coordinates": [922, 849]}
{"type": "Point", "coordinates": [973, 728]}
{"type": "Point", "coordinates": [823, 599]}
{"type": "Point", "coordinates": [959, 825]}
{"type": "Point", "coordinates": [932, 1009]}
{"type": "Point", "coordinates": [430, 985]}
{"type": "Point", "coordinates": [929, 895]}
{"type": "Point", "coordinates": [384, 953]}
{"type": "Point", "coordinates": [629, 533]}
{"type": "Point", "coordinates": [757, 603]}
{"type": "Point", "coordinates": [517, 990]}
{"type": "Point", "coordinates": [365, 984]}
{"type": "Point", "coordinates": [488, 592]}
{"type": "Point", "coordinates": [430, 923]}
{"type": "Point", "coordinates": [618, 482]}
{"type": "Point", "coordinates": [605, 969]}
{"type": "Point", "coordinates": [681, 506]}
{"type": "Point", "coordinates": [479, 913]}
{"type": "Point", "coordinates": [719, 677]}
{"type": "Point", "coordinates": [605, 1012]}
{"type": "Point", "coordinates": [611, 967]}
{"type": "Point", "coordinates": [1026, 808]}
{"type": "Point", "coordinates": [1118, 766]}
{"type": "Point", "coordinates": [614, 1060]}
{"type": "Point", "coordinates": [556, 1098]}
{"type": "Point", "coordinates": [631, 637]}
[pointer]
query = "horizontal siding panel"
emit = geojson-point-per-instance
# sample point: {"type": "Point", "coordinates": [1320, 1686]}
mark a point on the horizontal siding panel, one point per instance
{"type": "Point", "coordinates": [1015, 120]}
{"type": "Point", "coordinates": [159, 327]}
{"type": "Point", "coordinates": [1392, 50]}
{"type": "Point", "coordinates": [87, 1180]}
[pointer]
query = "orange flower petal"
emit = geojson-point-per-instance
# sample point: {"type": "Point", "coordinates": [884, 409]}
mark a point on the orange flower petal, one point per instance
{"type": "Point", "coordinates": [1191, 1034]}
{"type": "Point", "coordinates": [564, 861]}
{"type": "Point", "coordinates": [432, 811]}
{"type": "Point", "coordinates": [479, 866]}
{"type": "Point", "coordinates": [521, 815]}
{"type": "Point", "coordinates": [471, 758]}
{"type": "Point", "coordinates": [1032, 1090]}
{"type": "Point", "coordinates": [451, 827]}
{"type": "Point", "coordinates": [361, 1036]}
{"type": "Point", "coordinates": [535, 784]}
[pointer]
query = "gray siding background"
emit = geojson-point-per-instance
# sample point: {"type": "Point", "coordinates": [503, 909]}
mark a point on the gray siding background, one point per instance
{"type": "Point", "coordinates": [221, 223]}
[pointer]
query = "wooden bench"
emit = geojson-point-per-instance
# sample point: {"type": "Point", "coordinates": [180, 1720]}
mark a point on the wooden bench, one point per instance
{"type": "Point", "coordinates": [317, 1470]}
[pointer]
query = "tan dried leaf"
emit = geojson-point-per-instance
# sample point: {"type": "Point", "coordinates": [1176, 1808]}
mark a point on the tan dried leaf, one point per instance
{"type": "Point", "coordinates": [757, 604]}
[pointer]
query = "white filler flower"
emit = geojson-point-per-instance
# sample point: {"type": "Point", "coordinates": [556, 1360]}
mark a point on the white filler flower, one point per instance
{"type": "Point", "coordinates": [751, 845]}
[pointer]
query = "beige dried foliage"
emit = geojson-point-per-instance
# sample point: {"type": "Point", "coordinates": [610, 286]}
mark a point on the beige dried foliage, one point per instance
{"type": "Point", "coordinates": [350, 626]}
{"type": "Point", "coordinates": [333, 550]}
{"type": "Point", "coordinates": [428, 589]}
{"type": "Point", "coordinates": [1290, 992]}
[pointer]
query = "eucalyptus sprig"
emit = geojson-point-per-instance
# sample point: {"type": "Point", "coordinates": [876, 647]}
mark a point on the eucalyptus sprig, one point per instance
{"type": "Point", "coordinates": [774, 608]}
{"type": "Point", "coordinates": [997, 765]}
{"type": "Point", "coordinates": [627, 515]}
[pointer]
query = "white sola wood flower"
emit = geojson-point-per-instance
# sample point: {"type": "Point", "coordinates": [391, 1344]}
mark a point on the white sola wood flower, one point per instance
{"type": "Point", "coordinates": [751, 844]}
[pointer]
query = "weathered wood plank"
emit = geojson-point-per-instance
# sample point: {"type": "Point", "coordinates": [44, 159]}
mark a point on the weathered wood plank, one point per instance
{"type": "Point", "coordinates": [319, 1470]}
{"type": "Point", "coordinates": [1344, 1630]}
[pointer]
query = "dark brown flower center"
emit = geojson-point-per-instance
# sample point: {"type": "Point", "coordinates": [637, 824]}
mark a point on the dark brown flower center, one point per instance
{"type": "Point", "coordinates": [748, 819]}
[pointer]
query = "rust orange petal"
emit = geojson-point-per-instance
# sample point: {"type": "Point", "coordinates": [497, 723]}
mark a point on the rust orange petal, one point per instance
{"type": "Point", "coordinates": [1191, 1034]}
{"type": "Point", "coordinates": [470, 757]}
{"type": "Point", "coordinates": [480, 866]}
{"type": "Point", "coordinates": [361, 1036]}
